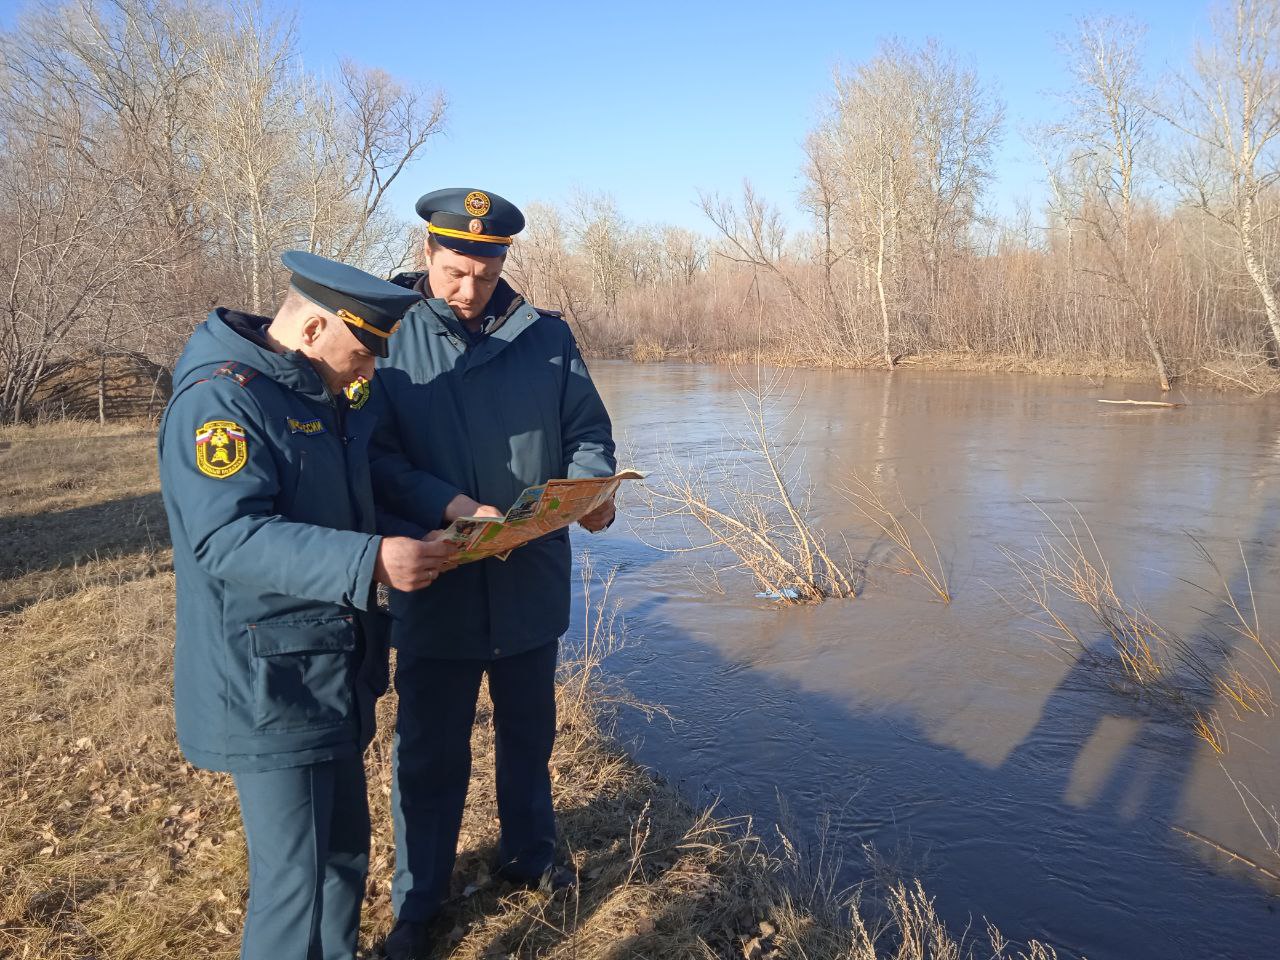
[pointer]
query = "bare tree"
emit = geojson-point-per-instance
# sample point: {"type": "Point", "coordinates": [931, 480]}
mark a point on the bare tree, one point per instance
{"type": "Point", "coordinates": [754, 234]}
{"type": "Point", "coordinates": [960, 127]}
{"type": "Point", "coordinates": [874, 115]}
{"type": "Point", "coordinates": [1229, 107]}
{"type": "Point", "coordinates": [895, 171]}
{"type": "Point", "coordinates": [543, 268]}
{"type": "Point", "coordinates": [602, 236]}
{"type": "Point", "coordinates": [200, 148]}
{"type": "Point", "coordinates": [683, 255]}
{"type": "Point", "coordinates": [69, 240]}
{"type": "Point", "coordinates": [1106, 143]}
{"type": "Point", "coordinates": [361, 138]}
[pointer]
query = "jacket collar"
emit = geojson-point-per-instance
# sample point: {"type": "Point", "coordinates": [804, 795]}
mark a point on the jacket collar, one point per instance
{"type": "Point", "coordinates": [507, 315]}
{"type": "Point", "coordinates": [230, 335]}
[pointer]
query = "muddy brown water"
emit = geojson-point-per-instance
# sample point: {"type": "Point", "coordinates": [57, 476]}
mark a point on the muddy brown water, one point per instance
{"type": "Point", "coordinates": [1019, 786]}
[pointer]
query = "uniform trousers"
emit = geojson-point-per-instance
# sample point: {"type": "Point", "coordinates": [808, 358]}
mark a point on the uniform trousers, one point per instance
{"type": "Point", "coordinates": [308, 834]}
{"type": "Point", "coordinates": [432, 767]}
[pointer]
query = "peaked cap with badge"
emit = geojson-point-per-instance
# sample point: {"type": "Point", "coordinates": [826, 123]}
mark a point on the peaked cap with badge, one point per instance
{"type": "Point", "coordinates": [474, 222]}
{"type": "Point", "coordinates": [265, 479]}
{"type": "Point", "coordinates": [370, 306]}
{"type": "Point", "coordinates": [511, 405]}
{"type": "Point", "coordinates": [280, 652]}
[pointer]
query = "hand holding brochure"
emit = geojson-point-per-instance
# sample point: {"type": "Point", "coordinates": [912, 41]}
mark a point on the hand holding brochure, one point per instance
{"type": "Point", "coordinates": [538, 511]}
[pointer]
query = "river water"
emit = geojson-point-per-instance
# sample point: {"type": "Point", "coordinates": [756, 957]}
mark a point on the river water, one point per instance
{"type": "Point", "coordinates": [1019, 786]}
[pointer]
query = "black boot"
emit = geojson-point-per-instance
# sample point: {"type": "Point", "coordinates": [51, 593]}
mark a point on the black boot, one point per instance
{"type": "Point", "coordinates": [408, 940]}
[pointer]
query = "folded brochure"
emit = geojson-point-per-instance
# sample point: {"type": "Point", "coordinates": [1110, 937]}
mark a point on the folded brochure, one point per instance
{"type": "Point", "coordinates": [538, 511]}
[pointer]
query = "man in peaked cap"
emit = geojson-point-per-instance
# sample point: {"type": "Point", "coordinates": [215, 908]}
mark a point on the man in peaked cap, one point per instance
{"type": "Point", "coordinates": [281, 652]}
{"type": "Point", "coordinates": [510, 404]}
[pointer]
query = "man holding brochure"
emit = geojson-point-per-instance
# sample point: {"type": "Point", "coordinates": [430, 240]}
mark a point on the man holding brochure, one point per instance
{"type": "Point", "coordinates": [481, 396]}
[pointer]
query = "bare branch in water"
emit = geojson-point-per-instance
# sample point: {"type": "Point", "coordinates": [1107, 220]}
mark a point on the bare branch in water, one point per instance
{"type": "Point", "coordinates": [895, 524]}
{"type": "Point", "coordinates": [753, 505]}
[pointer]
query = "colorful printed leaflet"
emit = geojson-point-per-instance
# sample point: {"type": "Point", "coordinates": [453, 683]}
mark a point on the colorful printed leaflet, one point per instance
{"type": "Point", "coordinates": [536, 512]}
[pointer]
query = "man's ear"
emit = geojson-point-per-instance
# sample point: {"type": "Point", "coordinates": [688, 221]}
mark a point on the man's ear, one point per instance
{"type": "Point", "coordinates": [312, 329]}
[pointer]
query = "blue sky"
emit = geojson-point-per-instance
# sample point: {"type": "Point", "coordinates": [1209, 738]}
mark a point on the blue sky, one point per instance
{"type": "Point", "coordinates": [652, 102]}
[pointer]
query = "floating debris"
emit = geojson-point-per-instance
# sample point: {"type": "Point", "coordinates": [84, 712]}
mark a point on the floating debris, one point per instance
{"type": "Point", "coordinates": [786, 593]}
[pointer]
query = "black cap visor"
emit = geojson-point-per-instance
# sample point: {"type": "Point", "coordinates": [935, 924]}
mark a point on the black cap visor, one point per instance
{"type": "Point", "coordinates": [377, 345]}
{"type": "Point", "coordinates": [371, 327]}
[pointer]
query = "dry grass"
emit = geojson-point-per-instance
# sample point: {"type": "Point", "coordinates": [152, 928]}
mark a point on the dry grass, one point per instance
{"type": "Point", "coordinates": [79, 503]}
{"type": "Point", "coordinates": [111, 846]}
{"type": "Point", "coordinates": [904, 528]}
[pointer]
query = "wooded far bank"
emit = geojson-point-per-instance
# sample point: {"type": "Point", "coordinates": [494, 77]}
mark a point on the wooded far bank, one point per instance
{"type": "Point", "coordinates": [156, 157]}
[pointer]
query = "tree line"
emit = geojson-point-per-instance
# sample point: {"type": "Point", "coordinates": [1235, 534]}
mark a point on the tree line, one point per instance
{"type": "Point", "coordinates": [1155, 256]}
{"type": "Point", "coordinates": [156, 156]}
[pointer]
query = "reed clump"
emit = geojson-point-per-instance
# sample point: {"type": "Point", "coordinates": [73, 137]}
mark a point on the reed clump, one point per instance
{"type": "Point", "coordinates": [1262, 651]}
{"type": "Point", "coordinates": [752, 504]}
{"type": "Point", "coordinates": [1065, 574]}
{"type": "Point", "coordinates": [904, 528]}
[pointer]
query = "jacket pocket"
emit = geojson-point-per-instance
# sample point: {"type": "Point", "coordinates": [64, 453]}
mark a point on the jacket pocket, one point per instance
{"type": "Point", "coordinates": [302, 673]}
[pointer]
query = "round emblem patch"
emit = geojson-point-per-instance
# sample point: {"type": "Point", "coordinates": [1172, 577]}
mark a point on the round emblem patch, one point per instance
{"type": "Point", "coordinates": [477, 203]}
{"type": "Point", "coordinates": [357, 392]}
{"type": "Point", "coordinates": [475, 226]}
{"type": "Point", "coordinates": [221, 448]}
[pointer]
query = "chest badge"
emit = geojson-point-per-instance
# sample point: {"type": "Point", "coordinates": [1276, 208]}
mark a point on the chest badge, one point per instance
{"type": "Point", "coordinates": [357, 393]}
{"type": "Point", "coordinates": [309, 427]}
{"type": "Point", "coordinates": [221, 448]}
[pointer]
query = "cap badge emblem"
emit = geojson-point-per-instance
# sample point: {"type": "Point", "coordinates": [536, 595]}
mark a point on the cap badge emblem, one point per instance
{"type": "Point", "coordinates": [475, 226]}
{"type": "Point", "coordinates": [477, 203]}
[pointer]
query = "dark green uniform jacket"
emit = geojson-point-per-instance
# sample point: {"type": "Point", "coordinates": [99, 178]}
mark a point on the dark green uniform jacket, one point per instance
{"type": "Point", "coordinates": [486, 415]}
{"type": "Point", "coordinates": [280, 656]}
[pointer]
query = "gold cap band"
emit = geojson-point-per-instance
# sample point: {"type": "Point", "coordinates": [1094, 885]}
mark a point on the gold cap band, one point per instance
{"type": "Point", "coordinates": [464, 235]}
{"type": "Point", "coordinates": [363, 324]}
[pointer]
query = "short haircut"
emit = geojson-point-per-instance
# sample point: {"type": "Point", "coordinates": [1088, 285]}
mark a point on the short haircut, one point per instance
{"type": "Point", "coordinates": [293, 302]}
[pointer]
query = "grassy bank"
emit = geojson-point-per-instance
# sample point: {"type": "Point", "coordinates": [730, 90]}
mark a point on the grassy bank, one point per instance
{"type": "Point", "coordinates": [111, 846]}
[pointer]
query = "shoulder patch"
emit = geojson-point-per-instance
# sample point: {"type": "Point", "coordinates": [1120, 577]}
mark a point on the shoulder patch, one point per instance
{"type": "Point", "coordinates": [221, 448]}
{"type": "Point", "coordinates": [236, 372]}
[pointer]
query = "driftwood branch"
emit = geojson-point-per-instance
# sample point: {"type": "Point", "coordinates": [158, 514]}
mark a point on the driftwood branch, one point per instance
{"type": "Point", "coordinates": [1144, 403]}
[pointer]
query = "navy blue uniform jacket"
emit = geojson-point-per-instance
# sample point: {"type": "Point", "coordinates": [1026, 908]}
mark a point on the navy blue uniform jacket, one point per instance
{"type": "Point", "coordinates": [280, 652]}
{"type": "Point", "coordinates": [486, 416]}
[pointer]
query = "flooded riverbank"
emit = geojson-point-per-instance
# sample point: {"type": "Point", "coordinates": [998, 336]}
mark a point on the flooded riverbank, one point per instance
{"type": "Point", "coordinates": [1018, 785]}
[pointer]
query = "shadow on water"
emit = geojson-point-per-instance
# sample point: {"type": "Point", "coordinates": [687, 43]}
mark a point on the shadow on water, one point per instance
{"type": "Point", "coordinates": [1008, 843]}
{"type": "Point", "coordinates": [1069, 839]}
